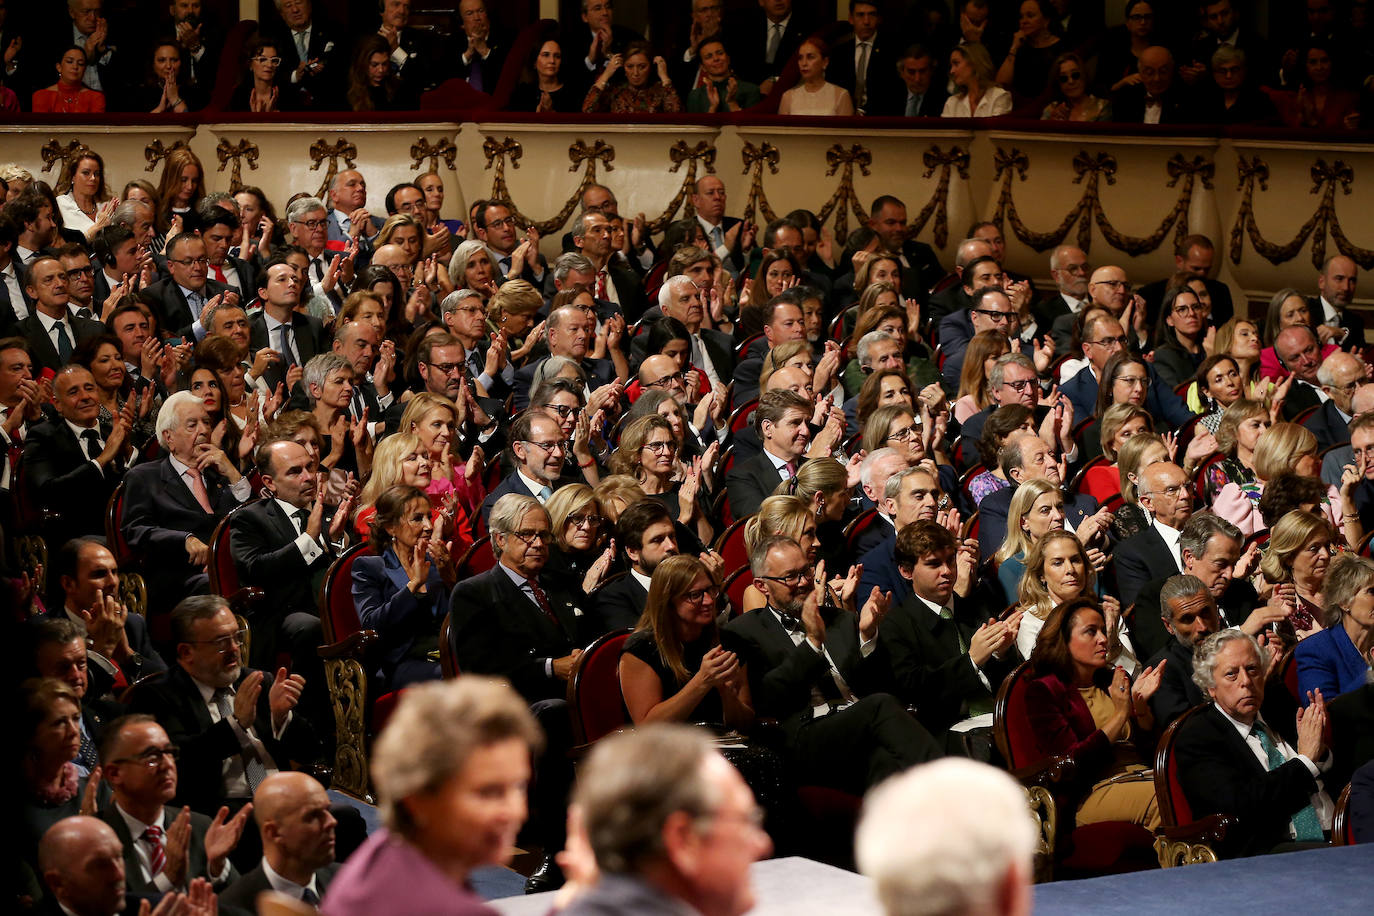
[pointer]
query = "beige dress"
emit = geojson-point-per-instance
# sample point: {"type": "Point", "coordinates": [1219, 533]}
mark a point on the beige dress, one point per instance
{"type": "Point", "coordinates": [1127, 791]}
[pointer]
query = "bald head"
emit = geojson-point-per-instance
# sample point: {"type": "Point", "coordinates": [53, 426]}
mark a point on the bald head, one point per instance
{"type": "Point", "coordinates": [793, 378]}
{"type": "Point", "coordinates": [82, 861]}
{"type": "Point", "coordinates": [1108, 288]}
{"type": "Point", "coordinates": [1069, 267]}
{"type": "Point", "coordinates": [1156, 70]}
{"type": "Point", "coordinates": [1300, 353]}
{"type": "Point", "coordinates": [656, 372]}
{"type": "Point", "coordinates": [1339, 375]}
{"type": "Point", "coordinates": [969, 251]}
{"type": "Point", "coordinates": [292, 812]}
{"type": "Point", "coordinates": [1363, 400]}
{"type": "Point", "coordinates": [392, 256]}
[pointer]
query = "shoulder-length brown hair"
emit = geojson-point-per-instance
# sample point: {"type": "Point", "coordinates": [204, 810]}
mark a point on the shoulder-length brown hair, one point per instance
{"type": "Point", "coordinates": [1051, 652]}
{"type": "Point", "coordinates": [672, 579]}
{"type": "Point", "coordinates": [973, 380]}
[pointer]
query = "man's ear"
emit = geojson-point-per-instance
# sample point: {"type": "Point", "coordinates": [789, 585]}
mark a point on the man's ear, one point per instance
{"type": "Point", "coordinates": [906, 571]}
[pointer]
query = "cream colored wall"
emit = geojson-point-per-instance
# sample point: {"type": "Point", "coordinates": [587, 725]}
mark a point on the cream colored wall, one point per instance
{"type": "Point", "coordinates": [543, 182]}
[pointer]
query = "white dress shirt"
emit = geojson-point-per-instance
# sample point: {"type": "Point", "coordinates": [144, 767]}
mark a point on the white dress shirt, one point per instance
{"type": "Point", "coordinates": [235, 779]}
{"type": "Point", "coordinates": [311, 549]}
{"type": "Point", "coordinates": [284, 885]}
{"type": "Point", "coordinates": [241, 490]}
{"type": "Point", "coordinates": [1172, 538]}
{"type": "Point", "coordinates": [50, 325]}
{"type": "Point", "coordinates": [11, 280]}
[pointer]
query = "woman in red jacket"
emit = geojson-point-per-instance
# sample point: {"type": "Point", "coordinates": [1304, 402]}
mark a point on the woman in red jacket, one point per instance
{"type": "Point", "coordinates": [67, 95]}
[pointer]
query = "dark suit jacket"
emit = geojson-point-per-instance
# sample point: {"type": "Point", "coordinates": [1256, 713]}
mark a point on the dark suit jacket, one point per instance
{"type": "Point", "coordinates": [1141, 559]}
{"type": "Point", "coordinates": [197, 865]}
{"type": "Point", "coordinates": [243, 893]}
{"type": "Point", "coordinates": [1328, 426]}
{"type": "Point", "coordinates": [1349, 319]}
{"type": "Point", "coordinates": [1221, 775]}
{"type": "Point", "coordinates": [323, 88]}
{"type": "Point", "coordinates": [750, 482]}
{"type": "Point", "coordinates": [893, 104]}
{"type": "Point", "coordinates": [1177, 691]}
{"type": "Point", "coordinates": [262, 541]}
{"type": "Point", "coordinates": [748, 44]}
{"type": "Point", "coordinates": [882, 84]}
{"type": "Point", "coordinates": [404, 621]}
{"type": "Point", "coordinates": [1300, 397]}
{"type": "Point", "coordinates": [41, 349]}
{"type": "Point", "coordinates": [1352, 734]}
{"type": "Point", "coordinates": [513, 484]}
{"type": "Point", "coordinates": [1081, 391]}
{"type": "Point", "coordinates": [880, 568]}
{"type": "Point", "coordinates": [174, 700]}
{"type": "Point", "coordinates": [1148, 633]}
{"type": "Point", "coordinates": [618, 604]}
{"type": "Point", "coordinates": [1128, 106]}
{"type": "Point", "coordinates": [781, 674]}
{"type": "Point", "coordinates": [310, 341]}
{"type": "Point", "coordinates": [63, 478]}
{"type": "Point", "coordinates": [930, 670]}
{"type": "Point", "coordinates": [497, 630]}
{"type": "Point", "coordinates": [174, 311]}
{"type": "Point", "coordinates": [947, 301]}
{"type": "Point", "coordinates": [992, 517]}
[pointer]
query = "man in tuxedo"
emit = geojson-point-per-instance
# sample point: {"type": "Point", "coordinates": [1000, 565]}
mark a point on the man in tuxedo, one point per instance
{"type": "Point", "coordinates": [645, 531]}
{"type": "Point", "coordinates": [919, 95]}
{"type": "Point", "coordinates": [513, 257]}
{"type": "Point", "coordinates": [483, 53]}
{"type": "Point", "coordinates": [1231, 761]}
{"type": "Point", "coordinates": [863, 63]}
{"type": "Point", "coordinates": [1156, 99]}
{"type": "Point", "coordinates": [710, 350]}
{"type": "Point", "coordinates": [781, 422]}
{"type": "Point", "coordinates": [171, 506]}
{"type": "Point", "coordinates": [613, 282]}
{"type": "Point", "coordinates": [572, 331]}
{"type": "Point", "coordinates": [823, 673]}
{"type": "Point", "coordinates": [1166, 493]}
{"type": "Point", "coordinates": [1331, 308]}
{"type": "Point", "coordinates": [1103, 338]}
{"type": "Point", "coordinates": [948, 655]}
{"type": "Point", "coordinates": [1025, 456]}
{"type": "Point", "coordinates": [187, 289]}
{"type": "Point", "coordinates": [1299, 352]}
{"type": "Point", "coordinates": [730, 239]}
{"type": "Point", "coordinates": [118, 641]}
{"type": "Point", "coordinates": [284, 545]}
{"type": "Point", "coordinates": [537, 443]}
{"type": "Point", "coordinates": [313, 53]}
{"type": "Point", "coordinates": [921, 270]}
{"type": "Point", "coordinates": [72, 463]}
{"type": "Point", "coordinates": [234, 726]}
{"type": "Point", "coordinates": [139, 763]}
{"type": "Point", "coordinates": [765, 40]}
{"type": "Point", "coordinates": [51, 331]}
{"type": "Point", "coordinates": [297, 831]}
{"type": "Point", "coordinates": [1194, 255]}
{"type": "Point", "coordinates": [1069, 269]}
{"type": "Point", "coordinates": [281, 326]}
{"type": "Point", "coordinates": [81, 861]}
{"type": "Point", "coordinates": [1340, 374]}
{"type": "Point", "coordinates": [505, 623]}
{"type": "Point", "coordinates": [910, 495]}
{"type": "Point", "coordinates": [673, 826]}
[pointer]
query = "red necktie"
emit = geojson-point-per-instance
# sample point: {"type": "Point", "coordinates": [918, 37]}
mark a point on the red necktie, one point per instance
{"type": "Point", "coordinates": [157, 855]}
{"type": "Point", "coordinates": [219, 274]}
{"type": "Point", "coordinates": [543, 600]}
{"type": "Point", "coordinates": [601, 284]}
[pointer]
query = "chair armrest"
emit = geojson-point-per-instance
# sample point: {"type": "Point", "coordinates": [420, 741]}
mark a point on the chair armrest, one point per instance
{"type": "Point", "coordinates": [354, 645]}
{"type": "Point", "coordinates": [1053, 773]}
{"type": "Point", "coordinates": [247, 600]}
{"type": "Point", "coordinates": [1210, 830]}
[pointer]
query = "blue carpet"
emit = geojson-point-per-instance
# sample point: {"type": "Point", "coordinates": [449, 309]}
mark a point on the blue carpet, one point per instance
{"type": "Point", "coordinates": [1317, 881]}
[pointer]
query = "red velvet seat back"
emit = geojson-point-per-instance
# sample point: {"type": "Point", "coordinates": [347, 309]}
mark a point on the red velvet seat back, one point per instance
{"type": "Point", "coordinates": [478, 559]}
{"type": "Point", "coordinates": [855, 530]}
{"type": "Point", "coordinates": [1011, 724]}
{"type": "Point", "coordinates": [224, 575]}
{"type": "Point", "coordinates": [731, 546]}
{"type": "Point", "coordinates": [736, 584]}
{"type": "Point", "coordinates": [594, 690]}
{"type": "Point", "coordinates": [1173, 804]}
{"type": "Point", "coordinates": [338, 613]}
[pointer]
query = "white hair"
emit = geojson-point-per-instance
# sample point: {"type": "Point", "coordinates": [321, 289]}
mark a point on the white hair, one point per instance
{"type": "Point", "coordinates": [871, 461]}
{"type": "Point", "coordinates": [665, 292]}
{"type": "Point", "coordinates": [170, 414]}
{"type": "Point", "coordinates": [944, 837]}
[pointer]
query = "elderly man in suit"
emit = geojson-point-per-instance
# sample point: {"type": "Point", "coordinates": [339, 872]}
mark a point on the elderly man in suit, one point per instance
{"type": "Point", "coordinates": [171, 506]}
{"type": "Point", "coordinates": [730, 239]}
{"type": "Point", "coordinates": [1231, 761]}
{"type": "Point", "coordinates": [910, 495]}
{"type": "Point", "coordinates": [483, 51]}
{"type": "Point", "coordinates": [1340, 374]}
{"type": "Point", "coordinates": [50, 330]}
{"type": "Point", "coordinates": [781, 421]}
{"type": "Point", "coordinates": [572, 332]}
{"type": "Point", "coordinates": [119, 642]}
{"type": "Point", "coordinates": [297, 830]}
{"type": "Point", "coordinates": [349, 218]}
{"type": "Point", "coordinates": [281, 326]}
{"type": "Point", "coordinates": [81, 861]}
{"type": "Point", "coordinates": [165, 848]}
{"type": "Point", "coordinates": [1157, 98]}
{"type": "Point", "coordinates": [1025, 456]}
{"type": "Point", "coordinates": [313, 53]}
{"type": "Point", "coordinates": [73, 462]}
{"type": "Point", "coordinates": [1166, 493]}
{"type": "Point", "coordinates": [673, 827]}
{"type": "Point", "coordinates": [188, 288]}
{"type": "Point", "coordinates": [823, 673]}
{"type": "Point", "coordinates": [537, 444]}
{"type": "Point", "coordinates": [613, 282]}
{"type": "Point", "coordinates": [505, 622]}
{"type": "Point", "coordinates": [1299, 351]}
{"type": "Point", "coordinates": [56, 648]}
{"type": "Point", "coordinates": [710, 350]}
{"type": "Point", "coordinates": [918, 94]}
{"type": "Point", "coordinates": [921, 270]}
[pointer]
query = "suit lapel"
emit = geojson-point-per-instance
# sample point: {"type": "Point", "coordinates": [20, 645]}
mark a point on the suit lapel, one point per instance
{"type": "Point", "coordinates": [1232, 737]}
{"type": "Point", "coordinates": [391, 564]}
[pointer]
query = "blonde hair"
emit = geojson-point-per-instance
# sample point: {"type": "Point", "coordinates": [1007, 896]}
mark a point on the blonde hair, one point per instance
{"type": "Point", "coordinates": [565, 501]}
{"type": "Point", "coordinates": [1231, 418]}
{"type": "Point", "coordinates": [778, 515]}
{"type": "Point", "coordinates": [816, 475]}
{"type": "Point", "coordinates": [422, 404]}
{"type": "Point", "coordinates": [1131, 461]}
{"type": "Point", "coordinates": [1034, 594]}
{"type": "Point", "coordinates": [1279, 448]}
{"type": "Point", "coordinates": [1117, 416]}
{"type": "Point", "coordinates": [616, 493]}
{"type": "Point", "coordinates": [1286, 539]}
{"type": "Point", "coordinates": [778, 357]}
{"type": "Point", "coordinates": [1022, 501]}
{"type": "Point", "coordinates": [396, 221]}
{"type": "Point", "coordinates": [386, 465]}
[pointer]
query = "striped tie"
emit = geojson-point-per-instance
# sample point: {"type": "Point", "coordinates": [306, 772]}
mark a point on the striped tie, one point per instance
{"type": "Point", "coordinates": [157, 855]}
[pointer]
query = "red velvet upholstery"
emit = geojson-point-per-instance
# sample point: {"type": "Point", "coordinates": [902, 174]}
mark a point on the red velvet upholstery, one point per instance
{"type": "Point", "coordinates": [1011, 725]}
{"type": "Point", "coordinates": [224, 575]}
{"type": "Point", "coordinates": [730, 545]}
{"type": "Point", "coordinates": [1173, 804]}
{"type": "Point", "coordinates": [740, 418]}
{"type": "Point", "coordinates": [478, 559]}
{"type": "Point", "coordinates": [338, 613]}
{"type": "Point", "coordinates": [594, 699]}
{"type": "Point", "coordinates": [855, 529]}
{"type": "Point", "coordinates": [736, 583]}
{"type": "Point", "coordinates": [114, 528]}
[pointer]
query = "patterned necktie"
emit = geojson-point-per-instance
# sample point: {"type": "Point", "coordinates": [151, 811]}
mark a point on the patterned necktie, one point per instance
{"type": "Point", "coordinates": [542, 599]}
{"type": "Point", "coordinates": [302, 46]}
{"type": "Point", "coordinates": [64, 343]}
{"type": "Point", "coordinates": [198, 489]}
{"type": "Point", "coordinates": [1307, 827]}
{"type": "Point", "coordinates": [253, 770]}
{"type": "Point", "coordinates": [89, 755]}
{"type": "Point", "coordinates": [861, 75]}
{"type": "Point", "coordinates": [718, 236]}
{"type": "Point", "coordinates": [913, 106]}
{"type": "Point", "coordinates": [157, 855]}
{"type": "Point", "coordinates": [92, 440]}
{"type": "Point", "coordinates": [947, 614]}
{"type": "Point", "coordinates": [774, 40]}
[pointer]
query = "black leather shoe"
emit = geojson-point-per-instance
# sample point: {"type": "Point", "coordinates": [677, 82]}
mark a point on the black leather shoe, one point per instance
{"type": "Point", "coordinates": [547, 877]}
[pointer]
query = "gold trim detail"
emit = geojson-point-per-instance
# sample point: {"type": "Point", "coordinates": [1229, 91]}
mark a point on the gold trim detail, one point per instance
{"type": "Point", "coordinates": [1173, 853]}
{"type": "Point", "coordinates": [236, 152]}
{"type": "Point", "coordinates": [321, 150]}
{"type": "Point", "coordinates": [347, 684]}
{"type": "Point", "coordinates": [844, 199]}
{"type": "Point", "coordinates": [155, 152]}
{"type": "Point", "coordinates": [1325, 178]}
{"type": "Point", "coordinates": [755, 158]}
{"type": "Point", "coordinates": [421, 150]}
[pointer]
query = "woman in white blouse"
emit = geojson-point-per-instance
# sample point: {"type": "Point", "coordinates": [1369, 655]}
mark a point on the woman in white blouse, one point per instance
{"type": "Point", "coordinates": [977, 95]}
{"type": "Point", "coordinates": [86, 206]}
{"type": "Point", "coordinates": [813, 95]}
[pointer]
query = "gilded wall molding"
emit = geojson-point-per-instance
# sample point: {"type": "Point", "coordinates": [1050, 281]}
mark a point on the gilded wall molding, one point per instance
{"type": "Point", "coordinates": [421, 150]}
{"type": "Point", "coordinates": [934, 158]}
{"type": "Point", "coordinates": [55, 153]}
{"type": "Point", "coordinates": [155, 153]}
{"type": "Point", "coordinates": [579, 153]}
{"type": "Point", "coordinates": [228, 152]}
{"type": "Point", "coordinates": [845, 199]}
{"type": "Point", "coordinates": [755, 159]}
{"type": "Point", "coordinates": [321, 150]}
{"type": "Point", "coordinates": [1089, 170]}
{"type": "Point", "coordinates": [679, 153]}
{"type": "Point", "coordinates": [1325, 179]}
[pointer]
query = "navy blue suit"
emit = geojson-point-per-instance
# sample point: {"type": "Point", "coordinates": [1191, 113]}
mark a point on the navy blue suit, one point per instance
{"type": "Point", "coordinates": [408, 624]}
{"type": "Point", "coordinates": [992, 517]}
{"type": "Point", "coordinates": [1327, 424]}
{"type": "Point", "coordinates": [880, 569]}
{"type": "Point", "coordinates": [1329, 661]}
{"type": "Point", "coordinates": [1081, 390]}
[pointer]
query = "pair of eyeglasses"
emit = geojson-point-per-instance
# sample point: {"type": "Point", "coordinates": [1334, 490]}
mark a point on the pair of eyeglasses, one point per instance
{"type": "Point", "coordinates": [905, 435]}
{"type": "Point", "coordinates": [667, 381]}
{"type": "Point", "coordinates": [224, 644]}
{"type": "Point", "coordinates": [472, 309]}
{"type": "Point", "coordinates": [564, 411]}
{"type": "Point", "coordinates": [1020, 387]}
{"type": "Point", "coordinates": [312, 223]}
{"type": "Point", "coordinates": [1134, 380]}
{"type": "Point", "coordinates": [1071, 76]}
{"type": "Point", "coordinates": [697, 595]}
{"type": "Point", "coordinates": [659, 448]}
{"type": "Point", "coordinates": [792, 579]}
{"type": "Point", "coordinates": [586, 521]}
{"type": "Point", "coordinates": [81, 272]}
{"type": "Point", "coordinates": [549, 447]}
{"type": "Point", "coordinates": [529, 537]}
{"type": "Point", "coordinates": [1190, 309]}
{"type": "Point", "coordinates": [151, 757]}
{"type": "Point", "coordinates": [1175, 490]}
{"type": "Point", "coordinates": [501, 223]}
{"type": "Point", "coordinates": [274, 61]}
{"type": "Point", "coordinates": [187, 262]}
{"type": "Point", "coordinates": [994, 316]}
{"type": "Point", "coordinates": [1109, 341]}
{"type": "Point", "coordinates": [1114, 284]}
{"type": "Point", "coordinates": [446, 368]}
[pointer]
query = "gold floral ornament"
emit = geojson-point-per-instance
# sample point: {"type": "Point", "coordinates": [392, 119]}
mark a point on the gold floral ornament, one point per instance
{"type": "Point", "coordinates": [845, 199]}
{"type": "Point", "coordinates": [1089, 170]}
{"type": "Point", "coordinates": [155, 152]}
{"type": "Point", "coordinates": [422, 150]}
{"type": "Point", "coordinates": [755, 159]}
{"type": "Point", "coordinates": [1325, 178]}
{"type": "Point", "coordinates": [54, 153]}
{"type": "Point", "coordinates": [679, 153]}
{"type": "Point", "coordinates": [236, 152]}
{"type": "Point", "coordinates": [320, 150]}
{"type": "Point", "coordinates": [934, 158]}
{"type": "Point", "coordinates": [579, 153]}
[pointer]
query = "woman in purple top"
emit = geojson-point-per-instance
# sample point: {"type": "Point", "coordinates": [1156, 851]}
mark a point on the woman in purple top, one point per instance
{"type": "Point", "coordinates": [451, 769]}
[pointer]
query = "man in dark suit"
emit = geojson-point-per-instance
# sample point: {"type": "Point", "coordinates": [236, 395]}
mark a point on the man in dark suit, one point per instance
{"type": "Point", "coordinates": [729, 238]}
{"type": "Point", "coordinates": [234, 726]}
{"type": "Point", "coordinates": [412, 53]}
{"type": "Point", "coordinates": [1189, 613]}
{"type": "Point", "coordinates": [1299, 352]}
{"type": "Point", "coordinates": [947, 655]}
{"type": "Point", "coordinates": [295, 336]}
{"type": "Point", "coordinates": [297, 832]}
{"type": "Point", "coordinates": [824, 675]}
{"type": "Point", "coordinates": [781, 422]}
{"type": "Point", "coordinates": [537, 444]}
{"type": "Point", "coordinates": [990, 309]}
{"type": "Point", "coordinates": [14, 300]}
{"type": "Point", "coordinates": [1352, 733]}
{"type": "Point", "coordinates": [953, 299]}
{"type": "Point", "coordinates": [171, 506]}
{"type": "Point", "coordinates": [1331, 308]}
{"type": "Point", "coordinates": [505, 623]}
{"type": "Point", "coordinates": [218, 229]}
{"type": "Point", "coordinates": [763, 40]}
{"type": "Point", "coordinates": [589, 43]}
{"type": "Point", "coordinates": [1222, 26]}
{"type": "Point", "coordinates": [710, 350]}
{"type": "Point", "coordinates": [50, 330]}
{"type": "Point", "coordinates": [187, 289]}
{"type": "Point", "coordinates": [73, 462]}
{"type": "Point", "coordinates": [921, 270]}
{"type": "Point", "coordinates": [481, 52]}
{"type": "Point", "coordinates": [1340, 374]}
{"type": "Point", "coordinates": [1231, 761]}
{"type": "Point", "coordinates": [1069, 269]}
{"type": "Point", "coordinates": [119, 643]}
{"type": "Point", "coordinates": [76, 861]}
{"type": "Point", "coordinates": [1155, 553]}
{"type": "Point", "coordinates": [138, 761]}
{"type": "Point", "coordinates": [783, 321]}
{"type": "Point", "coordinates": [914, 496]}
{"type": "Point", "coordinates": [284, 544]}
{"type": "Point", "coordinates": [1156, 99]}
{"type": "Point", "coordinates": [646, 532]}
{"type": "Point", "coordinates": [513, 257]}
{"type": "Point", "coordinates": [1103, 338]}
{"type": "Point", "coordinates": [314, 53]}
{"type": "Point", "coordinates": [1193, 255]}
{"type": "Point", "coordinates": [920, 94]}
{"type": "Point", "coordinates": [863, 63]}
{"type": "Point", "coordinates": [613, 281]}
{"type": "Point", "coordinates": [1025, 456]}
{"type": "Point", "coordinates": [572, 331]}
{"type": "Point", "coordinates": [55, 647]}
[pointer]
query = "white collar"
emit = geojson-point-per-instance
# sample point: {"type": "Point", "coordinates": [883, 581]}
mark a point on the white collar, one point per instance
{"type": "Point", "coordinates": [287, 508]}
{"type": "Point", "coordinates": [177, 466]}
{"type": "Point", "coordinates": [79, 430]}
{"type": "Point", "coordinates": [1241, 726]}
{"type": "Point", "coordinates": [272, 323]}
{"type": "Point", "coordinates": [136, 826]}
{"type": "Point", "coordinates": [934, 608]}
{"type": "Point", "coordinates": [641, 578]}
{"type": "Point", "coordinates": [285, 885]}
{"type": "Point", "coordinates": [48, 321]}
{"type": "Point", "coordinates": [534, 486]}
{"type": "Point", "coordinates": [778, 463]}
